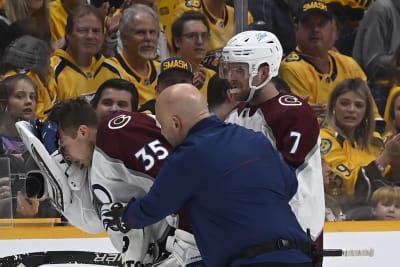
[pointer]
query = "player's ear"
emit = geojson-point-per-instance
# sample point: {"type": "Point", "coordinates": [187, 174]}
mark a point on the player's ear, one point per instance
{"type": "Point", "coordinates": [263, 71]}
{"type": "Point", "coordinates": [83, 130]}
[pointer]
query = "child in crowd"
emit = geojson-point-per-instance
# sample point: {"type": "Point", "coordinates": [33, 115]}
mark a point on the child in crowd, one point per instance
{"type": "Point", "coordinates": [18, 101]}
{"type": "Point", "coordinates": [385, 203]}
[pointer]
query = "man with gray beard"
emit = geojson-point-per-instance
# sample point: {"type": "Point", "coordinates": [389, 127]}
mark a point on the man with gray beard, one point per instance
{"type": "Point", "coordinates": [139, 32]}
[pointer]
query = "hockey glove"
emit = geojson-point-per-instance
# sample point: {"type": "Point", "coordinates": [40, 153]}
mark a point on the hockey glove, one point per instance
{"type": "Point", "coordinates": [111, 215]}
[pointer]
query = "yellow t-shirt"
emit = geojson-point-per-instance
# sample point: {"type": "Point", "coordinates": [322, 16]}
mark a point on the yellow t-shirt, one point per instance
{"type": "Point", "coordinates": [69, 80]}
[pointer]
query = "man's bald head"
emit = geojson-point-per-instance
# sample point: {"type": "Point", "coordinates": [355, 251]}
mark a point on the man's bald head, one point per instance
{"type": "Point", "coordinates": [184, 100]}
{"type": "Point", "coordinates": [178, 108]}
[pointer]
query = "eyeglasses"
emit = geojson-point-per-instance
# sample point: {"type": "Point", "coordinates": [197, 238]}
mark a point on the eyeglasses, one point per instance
{"type": "Point", "coordinates": [194, 36]}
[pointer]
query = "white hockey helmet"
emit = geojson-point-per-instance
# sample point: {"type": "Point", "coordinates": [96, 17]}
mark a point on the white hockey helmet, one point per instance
{"type": "Point", "coordinates": [254, 48]}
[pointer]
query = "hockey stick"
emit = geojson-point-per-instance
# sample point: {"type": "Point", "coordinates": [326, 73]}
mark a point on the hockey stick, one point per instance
{"type": "Point", "coordinates": [348, 252]}
{"type": "Point", "coordinates": [35, 259]}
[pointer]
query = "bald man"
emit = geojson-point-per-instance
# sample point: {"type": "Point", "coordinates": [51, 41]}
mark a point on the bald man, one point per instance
{"type": "Point", "coordinates": [217, 173]}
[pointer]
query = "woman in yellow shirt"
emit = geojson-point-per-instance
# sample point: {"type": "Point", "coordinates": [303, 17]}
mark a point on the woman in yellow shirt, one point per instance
{"type": "Point", "coordinates": [357, 159]}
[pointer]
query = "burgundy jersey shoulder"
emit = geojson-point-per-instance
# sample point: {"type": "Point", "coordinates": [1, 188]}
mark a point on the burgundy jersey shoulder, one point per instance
{"type": "Point", "coordinates": [294, 126]}
{"type": "Point", "coordinates": [294, 108]}
{"type": "Point", "coordinates": [135, 139]}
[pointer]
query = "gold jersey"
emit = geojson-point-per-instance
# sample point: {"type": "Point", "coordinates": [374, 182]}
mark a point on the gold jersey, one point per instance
{"type": "Point", "coordinates": [305, 80]}
{"type": "Point", "coordinates": [69, 80]}
{"type": "Point", "coordinates": [345, 159]}
{"type": "Point", "coordinates": [145, 84]}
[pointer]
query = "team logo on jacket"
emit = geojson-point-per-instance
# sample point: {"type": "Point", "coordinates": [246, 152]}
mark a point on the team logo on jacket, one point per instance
{"type": "Point", "coordinates": [119, 121]}
{"type": "Point", "coordinates": [326, 145]}
{"type": "Point", "coordinates": [292, 57]}
{"type": "Point", "coordinates": [289, 100]}
{"type": "Point", "coordinates": [193, 3]}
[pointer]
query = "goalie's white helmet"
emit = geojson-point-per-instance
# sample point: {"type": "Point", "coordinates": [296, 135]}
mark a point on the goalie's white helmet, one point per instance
{"type": "Point", "coordinates": [254, 48]}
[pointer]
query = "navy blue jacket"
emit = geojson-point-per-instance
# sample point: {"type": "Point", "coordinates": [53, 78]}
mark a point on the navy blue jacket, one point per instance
{"type": "Point", "coordinates": [235, 188]}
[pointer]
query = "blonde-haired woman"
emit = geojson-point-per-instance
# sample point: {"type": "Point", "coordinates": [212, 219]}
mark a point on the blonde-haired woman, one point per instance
{"type": "Point", "coordinates": [358, 160]}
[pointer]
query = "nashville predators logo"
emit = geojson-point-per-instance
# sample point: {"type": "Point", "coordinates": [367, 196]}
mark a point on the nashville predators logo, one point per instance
{"type": "Point", "coordinates": [292, 57]}
{"type": "Point", "coordinates": [326, 146]}
{"type": "Point", "coordinates": [193, 3]}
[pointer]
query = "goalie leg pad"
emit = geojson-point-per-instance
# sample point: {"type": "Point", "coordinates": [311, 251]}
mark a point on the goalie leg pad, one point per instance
{"type": "Point", "coordinates": [183, 247]}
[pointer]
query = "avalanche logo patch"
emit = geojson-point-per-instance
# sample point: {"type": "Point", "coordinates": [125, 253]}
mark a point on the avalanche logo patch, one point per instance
{"type": "Point", "coordinates": [289, 100]}
{"type": "Point", "coordinates": [326, 146]}
{"type": "Point", "coordinates": [119, 121]}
